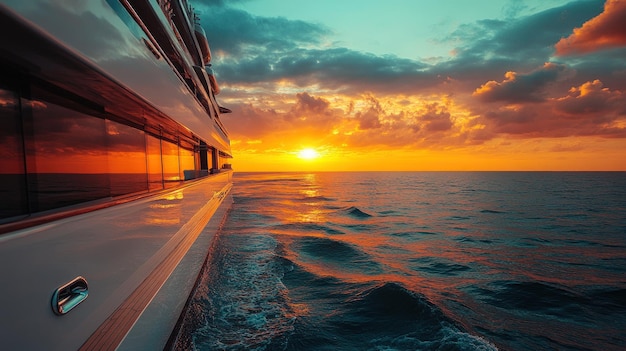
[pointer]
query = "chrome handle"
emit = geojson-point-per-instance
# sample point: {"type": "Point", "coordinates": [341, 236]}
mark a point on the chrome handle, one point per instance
{"type": "Point", "coordinates": [69, 295]}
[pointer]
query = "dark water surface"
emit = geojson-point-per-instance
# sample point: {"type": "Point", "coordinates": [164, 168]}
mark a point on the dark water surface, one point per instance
{"type": "Point", "coordinates": [417, 261]}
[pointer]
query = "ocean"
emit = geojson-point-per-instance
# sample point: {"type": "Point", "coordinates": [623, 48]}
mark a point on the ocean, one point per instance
{"type": "Point", "coordinates": [416, 261]}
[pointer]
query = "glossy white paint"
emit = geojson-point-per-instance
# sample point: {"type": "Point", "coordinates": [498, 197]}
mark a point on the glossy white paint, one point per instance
{"type": "Point", "coordinates": [114, 249]}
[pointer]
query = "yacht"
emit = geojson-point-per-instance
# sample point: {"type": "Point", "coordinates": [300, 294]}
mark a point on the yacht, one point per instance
{"type": "Point", "coordinates": [115, 171]}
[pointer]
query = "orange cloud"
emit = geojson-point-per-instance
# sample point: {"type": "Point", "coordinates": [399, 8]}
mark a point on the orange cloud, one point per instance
{"type": "Point", "coordinates": [607, 30]}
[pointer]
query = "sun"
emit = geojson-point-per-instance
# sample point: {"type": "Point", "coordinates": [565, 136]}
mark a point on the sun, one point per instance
{"type": "Point", "coordinates": [308, 154]}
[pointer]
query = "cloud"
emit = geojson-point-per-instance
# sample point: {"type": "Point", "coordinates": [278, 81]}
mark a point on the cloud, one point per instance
{"type": "Point", "coordinates": [255, 49]}
{"type": "Point", "coordinates": [586, 110]}
{"type": "Point", "coordinates": [237, 33]}
{"type": "Point", "coordinates": [335, 68]}
{"type": "Point", "coordinates": [366, 122]}
{"type": "Point", "coordinates": [526, 41]}
{"type": "Point", "coordinates": [520, 88]}
{"type": "Point", "coordinates": [307, 103]}
{"type": "Point", "coordinates": [592, 99]}
{"type": "Point", "coordinates": [370, 118]}
{"type": "Point", "coordinates": [266, 50]}
{"type": "Point", "coordinates": [287, 81]}
{"type": "Point", "coordinates": [607, 30]}
{"type": "Point", "coordinates": [435, 119]}
{"type": "Point", "coordinates": [251, 122]}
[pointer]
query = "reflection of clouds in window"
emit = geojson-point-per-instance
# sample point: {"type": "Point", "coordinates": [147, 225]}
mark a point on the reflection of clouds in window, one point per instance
{"type": "Point", "coordinates": [7, 99]}
{"type": "Point", "coordinates": [126, 149]}
{"type": "Point", "coordinates": [11, 151]}
{"type": "Point", "coordinates": [123, 138]}
{"type": "Point", "coordinates": [12, 169]}
{"type": "Point", "coordinates": [38, 105]}
{"type": "Point", "coordinates": [112, 130]}
{"type": "Point", "coordinates": [8, 123]}
{"type": "Point", "coordinates": [59, 131]}
{"type": "Point", "coordinates": [79, 19]}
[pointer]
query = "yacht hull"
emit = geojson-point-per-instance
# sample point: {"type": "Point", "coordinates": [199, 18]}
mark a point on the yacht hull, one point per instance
{"type": "Point", "coordinates": [114, 173]}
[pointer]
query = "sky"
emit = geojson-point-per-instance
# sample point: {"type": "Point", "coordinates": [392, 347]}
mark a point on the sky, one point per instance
{"type": "Point", "coordinates": [412, 85]}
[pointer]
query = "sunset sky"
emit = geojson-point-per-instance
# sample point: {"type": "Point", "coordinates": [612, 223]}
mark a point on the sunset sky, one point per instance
{"type": "Point", "coordinates": [421, 85]}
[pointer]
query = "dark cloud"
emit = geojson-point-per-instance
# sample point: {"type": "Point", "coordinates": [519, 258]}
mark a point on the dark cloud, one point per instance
{"type": "Point", "coordinates": [607, 65]}
{"type": "Point", "coordinates": [520, 88]}
{"type": "Point", "coordinates": [337, 68]}
{"type": "Point", "coordinates": [493, 47]}
{"type": "Point", "coordinates": [240, 34]}
{"type": "Point", "coordinates": [587, 110]}
{"type": "Point", "coordinates": [592, 100]}
{"type": "Point", "coordinates": [527, 38]}
{"type": "Point", "coordinates": [270, 49]}
{"type": "Point", "coordinates": [534, 35]}
{"type": "Point", "coordinates": [262, 49]}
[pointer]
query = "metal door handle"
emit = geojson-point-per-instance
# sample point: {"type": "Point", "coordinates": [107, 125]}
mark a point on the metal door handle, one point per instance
{"type": "Point", "coordinates": [69, 295]}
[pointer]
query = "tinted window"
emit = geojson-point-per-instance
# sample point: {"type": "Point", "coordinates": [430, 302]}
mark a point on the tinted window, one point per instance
{"type": "Point", "coordinates": [155, 166]}
{"type": "Point", "coordinates": [171, 170]}
{"type": "Point", "coordinates": [67, 156]}
{"type": "Point", "coordinates": [58, 150]}
{"type": "Point", "coordinates": [187, 162]}
{"type": "Point", "coordinates": [12, 172]}
{"type": "Point", "coordinates": [127, 158]}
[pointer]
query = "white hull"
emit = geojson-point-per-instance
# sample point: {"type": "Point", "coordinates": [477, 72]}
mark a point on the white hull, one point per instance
{"type": "Point", "coordinates": [118, 251]}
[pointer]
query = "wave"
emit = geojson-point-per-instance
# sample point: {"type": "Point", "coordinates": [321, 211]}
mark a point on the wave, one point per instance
{"type": "Point", "coordinates": [385, 316]}
{"type": "Point", "coordinates": [459, 218]}
{"type": "Point", "coordinates": [317, 198]}
{"type": "Point", "coordinates": [308, 227]}
{"type": "Point", "coordinates": [333, 249]}
{"type": "Point", "coordinates": [391, 299]}
{"type": "Point", "coordinates": [390, 212]}
{"type": "Point", "coordinates": [411, 234]}
{"type": "Point", "coordinates": [438, 266]}
{"type": "Point", "coordinates": [613, 299]}
{"type": "Point", "coordinates": [492, 211]}
{"type": "Point", "coordinates": [308, 287]}
{"type": "Point", "coordinates": [589, 243]}
{"type": "Point", "coordinates": [467, 239]}
{"type": "Point", "coordinates": [355, 212]}
{"type": "Point", "coordinates": [338, 254]}
{"type": "Point", "coordinates": [538, 297]}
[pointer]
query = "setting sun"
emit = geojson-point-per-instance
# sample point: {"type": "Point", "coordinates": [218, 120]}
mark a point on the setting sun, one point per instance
{"type": "Point", "coordinates": [308, 154]}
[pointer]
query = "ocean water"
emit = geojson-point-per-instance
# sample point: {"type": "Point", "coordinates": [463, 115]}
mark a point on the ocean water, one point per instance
{"type": "Point", "coordinates": [417, 261]}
